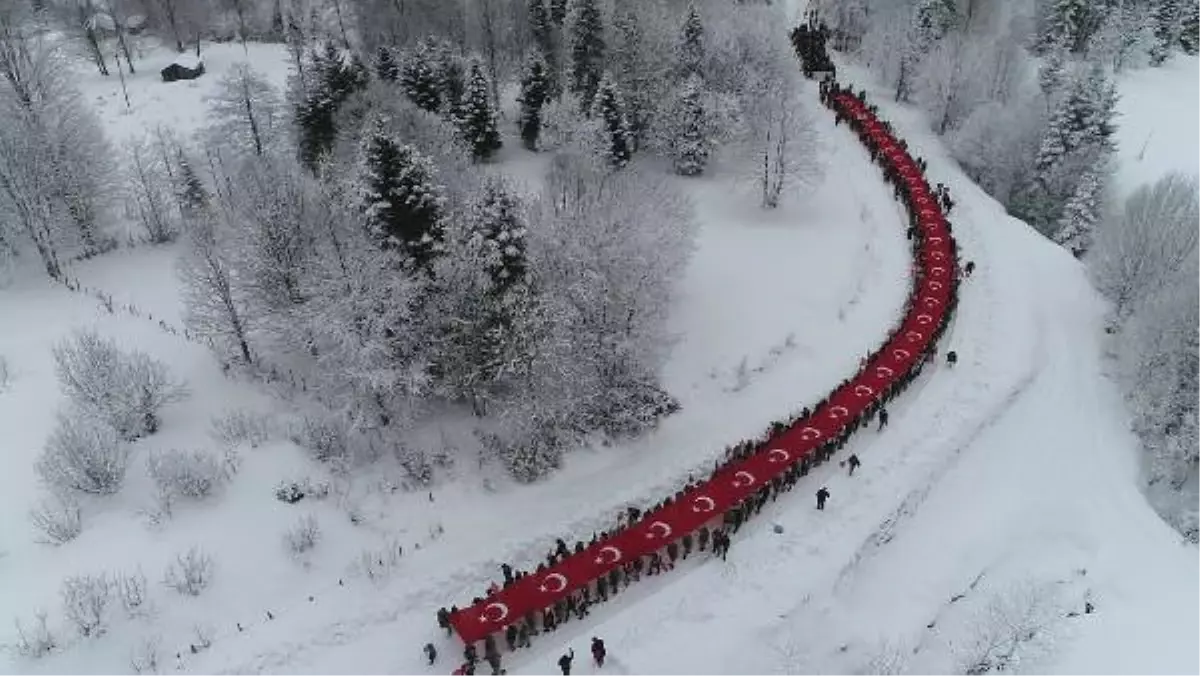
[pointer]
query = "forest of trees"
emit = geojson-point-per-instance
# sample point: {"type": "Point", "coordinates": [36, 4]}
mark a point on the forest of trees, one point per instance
{"type": "Point", "coordinates": [348, 227]}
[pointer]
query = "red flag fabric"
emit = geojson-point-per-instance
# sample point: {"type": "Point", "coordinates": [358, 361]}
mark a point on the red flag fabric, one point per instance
{"type": "Point", "coordinates": [929, 303]}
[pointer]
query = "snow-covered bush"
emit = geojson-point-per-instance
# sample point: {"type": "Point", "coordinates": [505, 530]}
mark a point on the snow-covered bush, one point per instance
{"type": "Point", "coordinates": [143, 659]}
{"type": "Point", "coordinates": [85, 602]}
{"type": "Point", "coordinates": [131, 588]}
{"type": "Point", "coordinates": [303, 535]}
{"type": "Point", "coordinates": [84, 453]}
{"type": "Point", "coordinates": [1013, 627]}
{"type": "Point", "coordinates": [126, 389]}
{"type": "Point", "coordinates": [190, 573]}
{"type": "Point", "coordinates": [294, 491]}
{"type": "Point", "coordinates": [58, 517]}
{"type": "Point", "coordinates": [324, 437]}
{"type": "Point", "coordinates": [192, 474]}
{"type": "Point", "coordinates": [37, 641]}
{"type": "Point", "coordinates": [240, 427]}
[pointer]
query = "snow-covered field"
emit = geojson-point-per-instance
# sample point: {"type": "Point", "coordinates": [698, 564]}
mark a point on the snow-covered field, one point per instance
{"type": "Point", "coordinates": [776, 309]}
{"type": "Point", "coordinates": [1010, 480]}
{"type": "Point", "coordinates": [1158, 128]}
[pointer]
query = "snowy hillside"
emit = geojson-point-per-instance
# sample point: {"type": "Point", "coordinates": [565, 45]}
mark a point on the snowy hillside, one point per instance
{"type": "Point", "coordinates": [1002, 500]}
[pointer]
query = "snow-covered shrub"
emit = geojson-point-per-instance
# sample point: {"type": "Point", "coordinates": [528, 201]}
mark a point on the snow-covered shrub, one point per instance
{"type": "Point", "coordinates": [143, 659]}
{"type": "Point", "coordinates": [303, 535]}
{"type": "Point", "coordinates": [1013, 626]}
{"type": "Point", "coordinates": [131, 588]}
{"type": "Point", "coordinates": [126, 389]}
{"type": "Point", "coordinates": [84, 453]}
{"type": "Point", "coordinates": [192, 474]}
{"type": "Point", "coordinates": [58, 517]}
{"type": "Point", "coordinates": [566, 126]}
{"type": "Point", "coordinates": [85, 602]}
{"type": "Point", "coordinates": [294, 491]}
{"type": "Point", "coordinates": [324, 437]}
{"type": "Point", "coordinates": [240, 427]}
{"type": "Point", "coordinates": [37, 641]}
{"type": "Point", "coordinates": [190, 573]}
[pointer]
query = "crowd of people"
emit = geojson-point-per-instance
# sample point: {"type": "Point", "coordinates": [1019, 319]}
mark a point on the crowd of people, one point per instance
{"type": "Point", "coordinates": [715, 538]}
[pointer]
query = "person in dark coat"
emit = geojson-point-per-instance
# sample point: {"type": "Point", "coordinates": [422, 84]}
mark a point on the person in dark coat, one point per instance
{"type": "Point", "coordinates": [493, 660]}
{"type": "Point", "coordinates": [510, 637]}
{"type": "Point", "coordinates": [598, 652]}
{"type": "Point", "coordinates": [564, 662]}
{"type": "Point", "coordinates": [822, 496]}
{"type": "Point", "coordinates": [431, 653]}
{"type": "Point", "coordinates": [443, 620]}
{"type": "Point", "coordinates": [469, 654]}
{"type": "Point", "coordinates": [602, 588]}
{"type": "Point", "coordinates": [508, 573]}
{"type": "Point", "coordinates": [702, 540]}
{"type": "Point", "coordinates": [854, 463]}
{"type": "Point", "coordinates": [951, 358]}
{"type": "Point", "coordinates": [883, 419]}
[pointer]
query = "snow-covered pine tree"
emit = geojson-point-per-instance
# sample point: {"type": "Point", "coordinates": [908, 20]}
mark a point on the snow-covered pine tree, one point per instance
{"type": "Point", "coordinates": [690, 49]}
{"type": "Point", "coordinates": [386, 68]}
{"type": "Point", "coordinates": [1052, 70]}
{"type": "Point", "coordinates": [402, 203]}
{"type": "Point", "coordinates": [421, 81]}
{"type": "Point", "coordinates": [931, 21]}
{"type": "Point", "coordinates": [535, 89]}
{"type": "Point", "coordinates": [638, 69]}
{"type": "Point", "coordinates": [1189, 28]}
{"type": "Point", "coordinates": [452, 77]}
{"type": "Point", "coordinates": [1168, 19]}
{"type": "Point", "coordinates": [609, 108]}
{"type": "Point", "coordinates": [497, 229]}
{"type": "Point", "coordinates": [1072, 23]}
{"type": "Point", "coordinates": [587, 49]}
{"type": "Point", "coordinates": [1125, 39]}
{"type": "Point", "coordinates": [477, 117]}
{"type": "Point", "coordinates": [190, 193]}
{"type": "Point", "coordinates": [1080, 215]}
{"type": "Point", "coordinates": [331, 76]}
{"type": "Point", "coordinates": [558, 12]}
{"type": "Point", "coordinates": [539, 26]}
{"type": "Point", "coordinates": [689, 142]}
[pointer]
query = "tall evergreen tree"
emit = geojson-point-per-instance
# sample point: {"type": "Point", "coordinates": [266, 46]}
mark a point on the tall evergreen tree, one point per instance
{"type": "Point", "coordinates": [539, 25]}
{"type": "Point", "coordinates": [610, 109]}
{"type": "Point", "coordinates": [558, 12]}
{"type": "Point", "coordinates": [691, 44]}
{"type": "Point", "coordinates": [1080, 215]}
{"type": "Point", "coordinates": [1072, 23]}
{"type": "Point", "coordinates": [1189, 28]}
{"type": "Point", "coordinates": [190, 194]}
{"type": "Point", "coordinates": [587, 49]}
{"type": "Point", "coordinates": [1168, 19]}
{"type": "Point", "coordinates": [386, 68]}
{"type": "Point", "coordinates": [333, 76]}
{"type": "Point", "coordinates": [498, 231]}
{"type": "Point", "coordinates": [477, 117]}
{"type": "Point", "coordinates": [402, 203]}
{"type": "Point", "coordinates": [421, 81]}
{"type": "Point", "coordinates": [535, 89]}
{"type": "Point", "coordinates": [689, 142]}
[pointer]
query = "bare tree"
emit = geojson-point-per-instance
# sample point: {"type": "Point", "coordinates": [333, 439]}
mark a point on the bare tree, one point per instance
{"type": "Point", "coordinates": [246, 111]}
{"type": "Point", "coordinates": [85, 603]}
{"type": "Point", "coordinates": [151, 183]}
{"type": "Point", "coordinates": [1138, 252]}
{"type": "Point", "coordinates": [190, 573]}
{"type": "Point", "coordinates": [83, 454]}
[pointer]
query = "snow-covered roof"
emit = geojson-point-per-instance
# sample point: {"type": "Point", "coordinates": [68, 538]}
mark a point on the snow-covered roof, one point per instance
{"type": "Point", "coordinates": [188, 60]}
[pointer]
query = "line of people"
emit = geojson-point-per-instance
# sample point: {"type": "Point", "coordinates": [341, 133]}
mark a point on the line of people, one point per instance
{"type": "Point", "coordinates": [577, 604]}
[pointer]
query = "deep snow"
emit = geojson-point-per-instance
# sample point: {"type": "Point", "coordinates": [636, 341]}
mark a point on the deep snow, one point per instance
{"type": "Point", "coordinates": [1014, 471]}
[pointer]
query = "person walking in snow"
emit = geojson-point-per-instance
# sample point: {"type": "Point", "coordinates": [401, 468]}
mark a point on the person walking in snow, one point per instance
{"type": "Point", "coordinates": [564, 662]}
{"type": "Point", "coordinates": [951, 358]}
{"type": "Point", "coordinates": [598, 652]}
{"type": "Point", "coordinates": [469, 654]}
{"type": "Point", "coordinates": [883, 419]}
{"type": "Point", "coordinates": [854, 463]}
{"type": "Point", "coordinates": [493, 661]}
{"type": "Point", "coordinates": [822, 496]}
{"type": "Point", "coordinates": [443, 620]}
{"type": "Point", "coordinates": [431, 653]}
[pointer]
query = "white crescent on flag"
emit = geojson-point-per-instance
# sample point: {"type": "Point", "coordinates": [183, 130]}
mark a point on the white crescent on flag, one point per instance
{"type": "Point", "coordinates": [810, 433]}
{"type": "Point", "coordinates": [743, 478]}
{"type": "Point", "coordinates": [838, 412]}
{"type": "Point", "coordinates": [660, 530]}
{"type": "Point", "coordinates": [937, 255]}
{"type": "Point", "coordinates": [863, 391]}
{"type": "Point", "coordinates": [935, 285]}
{"type": "Point", "coordinates": [602, 559]}
{"type": "Point", "coordinates": [937, 270]}
{"type": "Point", "coordinates": [933, 239]}
{"type": "Point", "coordinates": [924, 319]}
{"type": "Point", "coordinates": [930, 301]}
{"type": "Point", "coordinates": [779, 455]}
{"type": "Point", "coordinates": [487, 616]}
{"type": "Point", "coordinates": [913, 336]}
{"type": "Point", "coordinates": [707, 502]}
{"type": "Point", "coordinates": [901, 354]}
{"type": "Point", "coordinates": [884, 372]}
{"type": "Point", "coordinates": [552, 589]}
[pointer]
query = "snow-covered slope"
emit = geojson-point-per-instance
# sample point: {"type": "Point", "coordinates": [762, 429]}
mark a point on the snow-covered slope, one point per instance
{"type": "Point", "coordinates": [1158, 128]}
